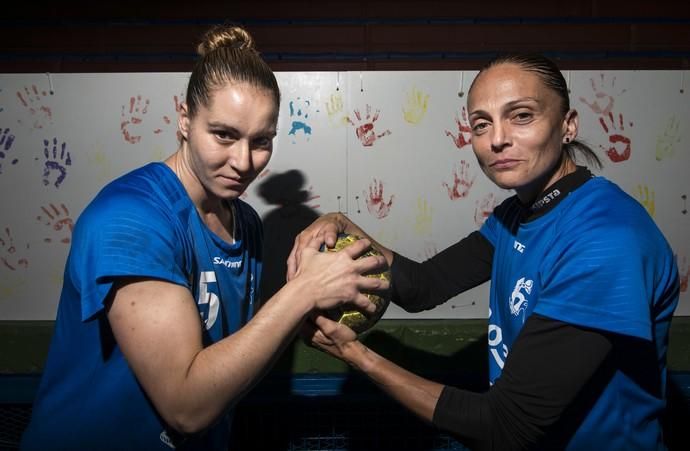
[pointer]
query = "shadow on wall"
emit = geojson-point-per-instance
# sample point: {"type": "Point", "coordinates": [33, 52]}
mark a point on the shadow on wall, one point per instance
{"type": "Point", "coordinates": [282, 224]}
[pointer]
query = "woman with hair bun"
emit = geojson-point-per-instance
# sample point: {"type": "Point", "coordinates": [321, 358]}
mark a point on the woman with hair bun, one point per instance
{"type": "Point", "coordinates": [157, 333]}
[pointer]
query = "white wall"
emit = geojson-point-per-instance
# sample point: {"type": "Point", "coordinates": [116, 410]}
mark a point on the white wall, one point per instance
{"type": "Point", "coordinates": [431, 188]}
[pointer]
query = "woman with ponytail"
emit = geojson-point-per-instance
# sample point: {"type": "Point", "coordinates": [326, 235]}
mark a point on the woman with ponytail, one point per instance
{"type": "Point", "coordinates": [157, 334]}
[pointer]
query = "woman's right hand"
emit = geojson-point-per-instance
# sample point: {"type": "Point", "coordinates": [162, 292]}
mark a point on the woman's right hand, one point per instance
{"type": "Point", "coordinates": [325, 230]}
{"type": "Point", "coordinates": [336, 278]}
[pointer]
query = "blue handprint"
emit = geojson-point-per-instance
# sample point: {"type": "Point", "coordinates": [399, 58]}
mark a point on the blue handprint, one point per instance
{"type": "Point", "coordinates": [55, 162]}
{"type": "Point", "coordinates": [6, 141]}
{"type": "Point", "coordinates": [299, 116]}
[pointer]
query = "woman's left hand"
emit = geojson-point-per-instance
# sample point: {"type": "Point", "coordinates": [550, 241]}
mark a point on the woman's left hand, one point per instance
{"type": "Point", "coordinates": [328, 336]}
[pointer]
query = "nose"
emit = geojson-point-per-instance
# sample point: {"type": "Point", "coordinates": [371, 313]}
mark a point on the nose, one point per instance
{"type": "Point", "coordinates": [499, 137]}
{"type": "Point", "coordinates": [240, 156]}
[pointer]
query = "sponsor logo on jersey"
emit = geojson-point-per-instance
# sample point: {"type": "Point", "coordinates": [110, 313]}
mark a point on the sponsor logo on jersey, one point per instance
{"type": "Point", "coordinates": [518, 302]}
{"type": "Point", "coordinates": [165, 438]}
{"type": "Point", "coordinates": [547, 199]}
{"type": "Point", "coordinates": [227, 263]}
{"type": "Point", "coordinates": [519, 246]}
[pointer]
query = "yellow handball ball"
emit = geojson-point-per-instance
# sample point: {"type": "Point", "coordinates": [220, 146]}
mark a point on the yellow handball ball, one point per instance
{"type": "Point", "coordinates": [354, 319]}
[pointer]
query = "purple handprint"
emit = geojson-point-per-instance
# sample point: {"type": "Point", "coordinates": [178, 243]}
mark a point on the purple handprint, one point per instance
{"type": "Point", "coordinates": [55, 162]}
{"type": "Point", "coordinates": [6, 141]}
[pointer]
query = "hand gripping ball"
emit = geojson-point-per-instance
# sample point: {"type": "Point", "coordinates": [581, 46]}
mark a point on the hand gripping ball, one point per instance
{"type": "Point", "coordinates": [354, 319]}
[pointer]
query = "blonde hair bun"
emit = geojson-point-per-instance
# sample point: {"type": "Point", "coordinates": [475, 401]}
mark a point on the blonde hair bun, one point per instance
{"type": "Point", "coordinates": [220, 36]}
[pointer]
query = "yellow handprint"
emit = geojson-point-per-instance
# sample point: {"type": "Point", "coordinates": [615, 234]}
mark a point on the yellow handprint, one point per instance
{"type": "Point", "coordinates": [667, 140]}
{"type": "Point", "coordinates": [424, 215]}
{"type": "Point", "coordinates": [416, 107]}
{"type": "Point", "coordinates": [646, 197]}
{"type": "Point", "coordinates": [334, 107]}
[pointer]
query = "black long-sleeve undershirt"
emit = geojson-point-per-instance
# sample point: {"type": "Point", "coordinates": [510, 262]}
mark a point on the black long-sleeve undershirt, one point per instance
{"type": "Point", "coordinates": [552, 373]}
{"type": "Point", "coordinates": [422, 286]}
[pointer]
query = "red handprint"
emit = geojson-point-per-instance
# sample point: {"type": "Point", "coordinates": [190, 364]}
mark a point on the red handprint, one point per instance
{"type": "Point", "coordinates": [461, 182]}
{"type": "Point", "coordinates": [483, 208]}
{"type": "Point", "coordinates": [59, 220]}
{"type": "Point", "coordinates": [167, 120]}
{"type": "Point", "coordinates": [32, 100]}
{"type": "Point", "coordinates": [616, 140]}
{"type": "Point", "coordinates": [603, 101]}
{"type": "Point", "coordinates": [464, 129]}
{"type": "Point", "coordinates": [312, 200]}
{"type": "Point", "coordinates": [364, 128]}
{"type": "Point", "coordinates": [684, 274]}
{"type": "Point", "coordinates": [8, 251]}
{"type": "Point", "coordinates": [133, 117]}
{"type": "Point", "coordinates": [376, 205]}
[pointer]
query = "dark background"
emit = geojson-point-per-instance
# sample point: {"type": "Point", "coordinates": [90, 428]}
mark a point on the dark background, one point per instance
{"type": "Point", "coordinates": [327, 35]}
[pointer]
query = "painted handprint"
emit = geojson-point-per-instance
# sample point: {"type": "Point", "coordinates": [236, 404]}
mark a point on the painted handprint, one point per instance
{"type": "Point", "coordinates": [59, 222]}
{"type": "Point", "coordinates": [56, 163]}
{"type": "Point", "coordinates": [483, 208]}
{"type": "Point", "coordinates": [619, 147]}
{"type": "Point", "coordinates": [603, 96]}
{"type": "Point", "coordinates": [423, 218]}
{"type": "Point", "coordinates": [364, 127]}
{"type": "Point", "coordinates": [33, 100]}
{"type": "Point", "coordinates": [312, 200]}
{"type": "Point", "coordinates": [167, 120]}
{"type": "Point", "coordinates": [464, 130]}
{"type": "Point", "coordinates": [461, 182]}
{"type": "Point", "coordinates": [6, 141]}
{"type": "Point", "coordinates": [666, 141]}
{"type": "Point", "coordinates": [334, 108]}
{"type": "Point", "coordinates": [133, 116]}
{"type": "Point", "coordinates": [8, 252]}
{"type": "Point", "coordinates": [646, 198]}
{"type": "Point", "coordinates": [376, 204]}
{"type": "Point", "coordinates": [416, 106]}
{"type": "Point", "coordinates": [299, 114]}
{"type": "Point", "coordinates": [684, 272]}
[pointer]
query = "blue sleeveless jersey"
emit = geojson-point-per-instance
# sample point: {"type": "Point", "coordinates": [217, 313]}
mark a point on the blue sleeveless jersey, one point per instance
{"type": "Point", "coordinates": [596, 260]}
{"type": "Point", "coordinates": [142, 224]}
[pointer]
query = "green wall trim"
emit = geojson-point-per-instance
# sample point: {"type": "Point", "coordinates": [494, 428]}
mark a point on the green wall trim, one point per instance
{"type": "Point", "coordinates": [444, 345]}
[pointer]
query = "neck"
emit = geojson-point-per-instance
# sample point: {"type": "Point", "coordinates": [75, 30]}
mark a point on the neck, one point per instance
{"type": "Point", "coordinates": [528, 194]}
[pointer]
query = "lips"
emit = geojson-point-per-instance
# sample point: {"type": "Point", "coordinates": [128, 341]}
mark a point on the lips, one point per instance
{"type": "Point", "coordinates": [504, 164]}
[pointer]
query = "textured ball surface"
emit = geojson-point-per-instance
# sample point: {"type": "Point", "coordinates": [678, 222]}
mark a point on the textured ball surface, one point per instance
{"type": "Point", "coordinates": [354, 319]}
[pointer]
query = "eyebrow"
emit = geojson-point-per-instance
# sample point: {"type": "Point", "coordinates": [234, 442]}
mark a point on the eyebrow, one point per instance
{"type": "Point", "coordinates": [229, 128]}
{"type": "Point", "coordinates": [508, 106]}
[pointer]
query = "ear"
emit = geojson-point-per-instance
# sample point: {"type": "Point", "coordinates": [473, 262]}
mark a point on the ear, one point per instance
{"type": "Point", "coordinates": [183, 121]}
{"type": "Point", "coordinates": [571, 125]}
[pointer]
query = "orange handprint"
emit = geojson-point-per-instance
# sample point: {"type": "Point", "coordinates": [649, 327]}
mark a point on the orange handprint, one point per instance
{"type": "Point", "coordinates": [59, 220]}
{"type": "Point", "coordinates": [8, 252]}
{"type": "Point", "coordinates": [32, 100]}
